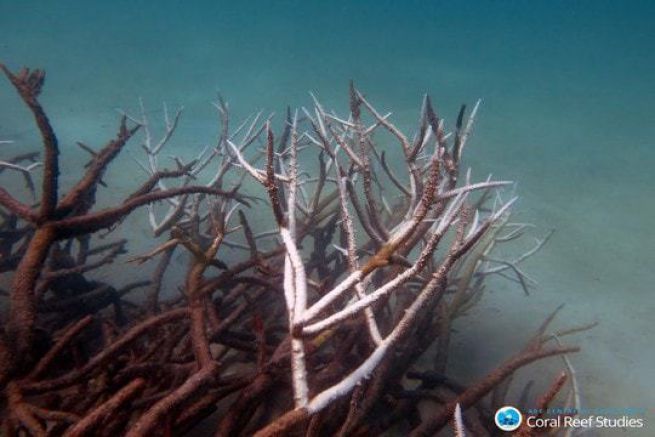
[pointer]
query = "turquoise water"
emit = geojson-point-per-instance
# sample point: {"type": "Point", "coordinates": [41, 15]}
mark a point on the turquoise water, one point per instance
{"type": "Point", "coordinates": [568, 112]}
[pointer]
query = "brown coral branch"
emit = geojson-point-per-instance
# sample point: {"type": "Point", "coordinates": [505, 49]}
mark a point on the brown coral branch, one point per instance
{"type": "Point", "coordinates": [67, 336]}
{"type": "Point", "coordinates": [93, 419]}
{"type": "Point", "coordinates": [156, 414]}
{"type": "Point", "coordinates": [20, 411]}
{"type": "Point", "coordinates": [28, 84]}
{"type": "Point", "coordinates": [22, 301]}
{"type": "Point", "coordinates": [154, 180]}
{"type": "Point", "coordinates": [93, 222]}
{"type": "Point", "coordinates": [482, 388]}
{"type": "Point", "coordinates": [96, 169]}
{"type": "Point", "coordinates": [271, 185]}
{"type": "Point", "coordinates": [106, 354]}
{"type": "Point", "coordinates": [542, 405]}
{"type": "Point", "coordinates": [17, 207]}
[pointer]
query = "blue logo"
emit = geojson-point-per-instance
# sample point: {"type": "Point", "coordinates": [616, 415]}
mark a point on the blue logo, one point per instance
{"type": "Point", "coordinates": [508, 418]}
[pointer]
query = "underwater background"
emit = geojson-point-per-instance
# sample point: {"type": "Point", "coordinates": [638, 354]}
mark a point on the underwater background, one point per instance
{"type": "Point", "coordinates": [568, 112]}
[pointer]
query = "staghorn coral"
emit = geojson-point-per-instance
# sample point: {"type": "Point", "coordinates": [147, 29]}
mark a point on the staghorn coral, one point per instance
{"type": "Point", "coordinates": [313, 335]}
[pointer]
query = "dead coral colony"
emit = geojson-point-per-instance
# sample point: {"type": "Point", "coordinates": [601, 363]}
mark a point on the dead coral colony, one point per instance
{"type": "Point", "coordinates": [272, 344]}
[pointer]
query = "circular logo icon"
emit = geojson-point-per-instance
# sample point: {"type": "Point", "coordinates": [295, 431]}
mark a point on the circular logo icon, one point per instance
{"type": "Point", "coordinates": [508, 418]}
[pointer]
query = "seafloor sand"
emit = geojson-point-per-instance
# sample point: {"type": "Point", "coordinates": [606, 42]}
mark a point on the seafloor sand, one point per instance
{"type": "Point", "coordinates": [568, 113]}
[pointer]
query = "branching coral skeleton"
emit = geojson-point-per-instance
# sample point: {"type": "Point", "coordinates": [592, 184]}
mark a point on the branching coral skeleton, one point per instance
{"type": "Point", "coordinates": [269, 341]}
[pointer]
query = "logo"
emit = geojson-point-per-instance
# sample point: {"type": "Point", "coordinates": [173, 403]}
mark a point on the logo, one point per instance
{"type": "Point", "coordinates": [508, 418]}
